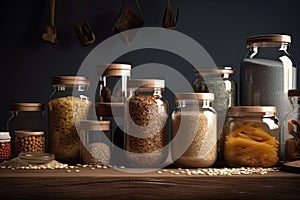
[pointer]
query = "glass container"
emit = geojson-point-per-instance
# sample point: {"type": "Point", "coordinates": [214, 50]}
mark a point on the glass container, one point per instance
{"type": "Point", "coordinates": [196, 122]}
{"type": "Point", "coordinates": [5, 146]}
{"type": "Point", "coordinates": [29, 141]}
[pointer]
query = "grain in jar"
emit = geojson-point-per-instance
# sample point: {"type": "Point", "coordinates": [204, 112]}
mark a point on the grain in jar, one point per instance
{"type": "Point", "coordinates": [146, 123]}
{"type": "Point", "coordinates": [194, 130]}
{"type": "Point", "coordinates": [29, 141]}
{"type": "Point", "coordinates": [251, 137]}
{"type": "Point", "coordinates": [67, 106]}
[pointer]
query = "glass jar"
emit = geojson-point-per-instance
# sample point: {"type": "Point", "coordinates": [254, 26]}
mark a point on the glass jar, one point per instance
{"type": "Point", "coordinates": [29, 141]}
{"type": "Point", "coordinates": [95, 143]}
{"type": "Point", "coordinates": [251, 137]}
{"type": "Point", "coordinates": [27, 116]}
{"type": "Point", "coordinates": [5, 147]}
{"type": "Point", "coordinates": [219, 82]}
{"type": "Point", "coordinates": [196, 122]}
{"type": "Point", "coordinates": [68, 105]}
{"type": "Point", "coordinates": [146, 115]}
{"type": "Point", "coordinates": [112, 86]}
{"type": "Point", "coordinates": [267, 73]}
{"type": "Point", "coordinates": [290, 145]}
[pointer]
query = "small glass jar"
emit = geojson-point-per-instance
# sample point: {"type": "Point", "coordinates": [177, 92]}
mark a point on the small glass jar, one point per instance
{"type": "Point", "coordinates": [5, 146]}
{"type": "Point", "coordinates": [195, 123]}
{"type": "Point", "coordinates": [95, 143]}
{"type": "Point", "coordinates": [267, 73]}
{"type": "Point", "coordinates": [290, 145]}
{"type": "Point", "coordinates": [146, 115]}
{"type": "Point", "coordinates": [68, 105]}
{"type": "Point", "coordinates": [112, 86]}
{"type": "Point", "coordinates": [29, 141]}
{"type": "Point", "coordinates": [27, 116]}
{"type": "Point", "coordinates": [251, 137]}
{"type": "Point", "coordinates": [219, 82]}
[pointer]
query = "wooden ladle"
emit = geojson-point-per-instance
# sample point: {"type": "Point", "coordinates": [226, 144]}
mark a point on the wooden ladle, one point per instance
{"type": "Point", "coordinates": [50, 34]}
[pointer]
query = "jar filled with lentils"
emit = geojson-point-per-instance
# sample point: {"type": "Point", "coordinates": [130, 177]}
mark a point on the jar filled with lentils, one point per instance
{"type": "Point", "coordinates": [67, 106]}
{"type": "Point", "coordinates": [29, 141]}
{"type": "Point", "coordinates": [5, 146]}
{"type": "Point", "coordinates": [146, 115]}
{"type": "Point", "coordinates": [194, 130]}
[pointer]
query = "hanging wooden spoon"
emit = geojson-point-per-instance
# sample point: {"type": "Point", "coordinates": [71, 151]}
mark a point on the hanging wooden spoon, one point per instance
{"type": "Point", "coordinates": [50, 34]}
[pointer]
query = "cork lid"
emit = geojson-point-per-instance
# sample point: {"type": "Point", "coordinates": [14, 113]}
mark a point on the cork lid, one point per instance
{"type": "Point", "coordinates": [24, 133]}
{"type": "Point", "coordinates": [252, 109]}
{"type": "Point", "coordinates": [94, 125]}
{"type": "Point", "coordinates": [294, 93]}
{"type": "Point", "coordinates": [221, 70]}
{"type": "Point", "coordinates": [114, 69]}
{"type": "Point", "coordinates": [146, 83]}
{"type": "Point", "coordinates": [270, 38]}
{"type": "Point", "coordinates": [70, 80]}
{"type": "Point", "coordinates": [27, 107]}
{"type": "Point", "coordinates": [196, 96]}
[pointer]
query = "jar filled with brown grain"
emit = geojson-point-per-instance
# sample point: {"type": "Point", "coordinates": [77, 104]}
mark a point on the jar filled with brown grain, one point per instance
{"type": "Point", "coordinates": [146, 115]}
{"type": "Point", "coordinates": [251, 137]}
{"type": "Point", "coordinates": [194, 130]}
{"type": "Point", "coordinates": [29, 141]}
{"type": "Point", "coordinates": [68, 105]}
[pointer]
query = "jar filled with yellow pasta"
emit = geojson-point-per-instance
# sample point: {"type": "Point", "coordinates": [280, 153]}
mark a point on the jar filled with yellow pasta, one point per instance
{"type": "Point", "coordinates": [250, 137]}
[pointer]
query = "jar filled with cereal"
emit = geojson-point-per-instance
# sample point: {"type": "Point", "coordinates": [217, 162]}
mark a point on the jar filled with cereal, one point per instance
{"type": "Point", "coordinates": [67, 106]}
{"type": "Point", "coordinates": [251, 136]}
{"type": "Point", "coordinates": [194, 130]}
{"type": "Point", "coordinates": [146, 115]}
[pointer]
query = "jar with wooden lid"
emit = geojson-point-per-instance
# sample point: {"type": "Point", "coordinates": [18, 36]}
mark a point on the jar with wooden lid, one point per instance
{"type": "Point", "coordinates": [195, 123]}
{"type": "Point", "coordinates": [68, 105]}
{"type": "Point", "coordinates": [251, 137]}
{"type": "Point", "coordinates": [95, 142]}
{"type": "Point", "coordinates": [146, 119]}
{"type": "Point", "coordinates": [290, 145]}
{"type": "Point", "coordinates": [27, 116]}
{"type": "Point", "coordinates": [112, 86]}
{"type": "Point", "coordinates": [29, 141]}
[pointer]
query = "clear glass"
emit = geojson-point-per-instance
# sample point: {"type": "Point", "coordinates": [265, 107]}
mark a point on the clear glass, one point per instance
{"type": "Point", "coordinates": [67, 106]}
{"type": "Point", "coordinates": [290, 144]}
{"type": "Point", "coordinates": [267, 73]}
{"type": "Point", "coordinates": [146, 115]}
{"type": "Point", "coordinates": [27, 120]}
{"type": "Point", "coordinates": [251, 139]}
{"type": "Point", "coordinates": [29, 143]}
{"type": "Point", "coordinates": [5, 150]}
{"type": "Point", "coordinates": [197, 121]}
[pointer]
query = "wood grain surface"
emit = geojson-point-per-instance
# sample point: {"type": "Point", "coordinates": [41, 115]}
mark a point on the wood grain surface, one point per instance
{"type": "Point", "coordinates": [113, 184]}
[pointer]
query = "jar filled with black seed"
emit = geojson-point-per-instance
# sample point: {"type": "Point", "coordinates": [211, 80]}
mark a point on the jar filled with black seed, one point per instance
{"type": "Point", "coordinates": [146, 115]}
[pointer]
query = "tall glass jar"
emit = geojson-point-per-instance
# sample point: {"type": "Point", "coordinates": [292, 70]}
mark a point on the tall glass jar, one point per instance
{"type": "Point", "coordinates": [251, 137]}
{"type": "Point", "coordinates": [67, 106]}
{"type": "Point", "coordinates": [112, 86]}
{"type": "Point", "coordinates": [27, 116]}
{"type": "Point", "coordinates": [267, 73]}
{"type": "Point", "coordinates": [195, 123]}
{"type": "Point", "coordinates": [219, 82]}
{"type": "Point", "coordinates": [146, 115]}
{"type": "Point", "coordinates": [290, 145]}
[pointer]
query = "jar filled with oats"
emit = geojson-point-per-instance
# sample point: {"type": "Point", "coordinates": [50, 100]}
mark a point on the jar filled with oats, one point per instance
{"type": "Point", "coordinates": [95, 146]}
{"type": "Point", "coordinates": [67, 106]}
{"type": "Point", "coordinates": [146, 115]}
{"type": "Point", "coordinates": [194, 130]}
{"type": "Point", "coordinates": [250, 137]}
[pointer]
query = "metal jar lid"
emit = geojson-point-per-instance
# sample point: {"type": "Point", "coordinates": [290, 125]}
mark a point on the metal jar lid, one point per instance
{"type": "Point", "coordinates": [4, 136]}
{"type": "Point", "coordinates": [294, 93]}
{"type": "Point", "coordinates": [252, 109]}
{"type": "Point", "coordinates": [70, 80]}
{"type": "Point", "coordinates": [109, 109]}
{"type": "Point", "coordinates": [195, 96]}
{"type": "Point", "coordinates": [94, 125]}
{"type": "Point", "coordinates": [146, 83]}
{"type": "Point", "coordinates": [221, 70]}
{"type": "Point", "coordinates": [25, 133]}
{"type": "Point", "coordinates": [115, 69]}
{"type": "Point", "coordinates": [27, 107]}
{"type": "Point", "coordinates": [270, 38]}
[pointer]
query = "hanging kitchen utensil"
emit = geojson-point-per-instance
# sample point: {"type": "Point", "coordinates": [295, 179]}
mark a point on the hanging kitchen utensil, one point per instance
{"type": "Point", "coordinates": [169, 20]}
{"type": "Point", "coordinates": [85, 33]}
{"type": "Point", "coordinates": [127, 20]}
{"type": "Point", "coordinates": [50, 34]}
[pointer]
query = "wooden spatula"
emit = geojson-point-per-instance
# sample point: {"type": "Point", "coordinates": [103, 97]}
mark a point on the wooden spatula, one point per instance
{"type": "Point", "coordinates": [50, 34]}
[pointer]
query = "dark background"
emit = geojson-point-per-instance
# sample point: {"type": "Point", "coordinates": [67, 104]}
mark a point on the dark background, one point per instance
{"type": "Point", "coordinates": [221, 27]}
